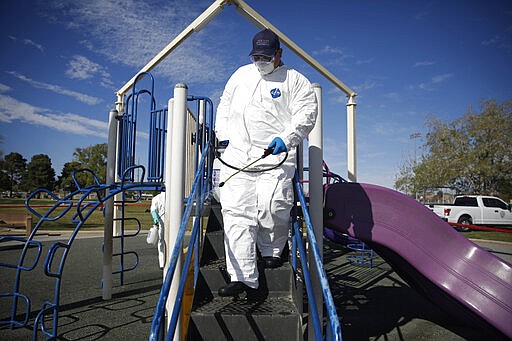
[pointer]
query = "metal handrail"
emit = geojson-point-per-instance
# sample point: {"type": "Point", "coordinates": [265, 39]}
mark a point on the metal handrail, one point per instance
{"type": "Point", "coordinates": [156, 324]}
{"type": "Point", "coordinates": [329, 302]}
{"type": "Point", "coordinates": [128, 125]}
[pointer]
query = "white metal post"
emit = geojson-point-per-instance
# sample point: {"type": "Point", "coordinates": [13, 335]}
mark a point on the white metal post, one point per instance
{"type": "Point", "coordinates": [201, 118]}
{"type": "Point", "coordinates": [351, 139]}
{"type": "Point", "coordinates": [109, 208]}
{"type": "Point", "coordinates": [175, 187]}
{"type": "Point", "coordinates": [118, 198]}
{"type": "Point", "coordinates": [316, 201]}
{"type": "Point", "coordinates": [117, 215]}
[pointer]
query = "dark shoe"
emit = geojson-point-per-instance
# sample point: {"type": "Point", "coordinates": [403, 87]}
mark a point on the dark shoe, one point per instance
{"type": "Point", "coordinates": [272, 262]}
{"type": "Point", "coordinates": [233, 289]}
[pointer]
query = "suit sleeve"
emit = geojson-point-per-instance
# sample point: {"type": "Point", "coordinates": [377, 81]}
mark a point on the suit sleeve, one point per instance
{"type": "Point", "coordinates": [303, 108]}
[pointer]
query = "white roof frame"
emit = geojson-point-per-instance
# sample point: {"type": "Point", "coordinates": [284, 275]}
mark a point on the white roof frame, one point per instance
{"type": "Point", "coordinates": [254, 17]}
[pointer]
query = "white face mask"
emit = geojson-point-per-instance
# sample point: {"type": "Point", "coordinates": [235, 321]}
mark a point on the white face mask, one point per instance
{"type": "Point", "coordinates": [264, 67]}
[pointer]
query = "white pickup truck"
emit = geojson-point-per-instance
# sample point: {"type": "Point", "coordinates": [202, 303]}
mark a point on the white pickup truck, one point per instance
{"type": "Point", "coordinates": [475, 210]}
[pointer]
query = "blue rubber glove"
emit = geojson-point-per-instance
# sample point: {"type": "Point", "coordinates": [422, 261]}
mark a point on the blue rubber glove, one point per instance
{"type": "Point", "coordinates": [278, 145]}
{"type": "Point", "coordinates": [155, 217]}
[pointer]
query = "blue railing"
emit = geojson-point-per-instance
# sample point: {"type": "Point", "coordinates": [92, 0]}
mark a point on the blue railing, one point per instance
{"type": "Point", "coordinates": [128, 131]}
{"type": "Point", "coordinates": [20, 267]}
{"type": "Point", "coordinates": [334, 328]}
{"type": "Point", "coordinates": [56, 256]}
{"type": "Point", "coordinates": [197, 196]}
{"type": "Point", "coordinates": [204, 137]}
{"type": "Point", "coordinates": [156, 153]}
{"type": "Point", "coordinates": [83, 211]}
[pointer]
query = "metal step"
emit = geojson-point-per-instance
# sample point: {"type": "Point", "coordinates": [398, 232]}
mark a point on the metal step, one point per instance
{"type": "Point", "coordinates": [273, 282]}
{"type": "Point", "coordinates": [222, 318]}
{"type": "Point", "coordinates": [272, 312]}
{"type": "Point", "coordinates": [213, 247]}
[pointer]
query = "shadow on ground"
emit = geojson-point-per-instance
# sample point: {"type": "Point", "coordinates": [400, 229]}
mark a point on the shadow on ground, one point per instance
{"type": "Point", "coordinates": [372, 303]}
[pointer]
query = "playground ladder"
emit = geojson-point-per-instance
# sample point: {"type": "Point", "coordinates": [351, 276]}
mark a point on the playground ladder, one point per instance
{"type": "Point", "coordinates": [273, 312]}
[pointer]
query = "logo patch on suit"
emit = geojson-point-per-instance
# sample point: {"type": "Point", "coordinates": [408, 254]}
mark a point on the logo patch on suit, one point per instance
{"type": "Point", "coordinates": [275, 93]}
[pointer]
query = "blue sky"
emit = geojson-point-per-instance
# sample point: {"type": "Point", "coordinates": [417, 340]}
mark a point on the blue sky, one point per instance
{"type": "Point", "coordinates": [62, 61]}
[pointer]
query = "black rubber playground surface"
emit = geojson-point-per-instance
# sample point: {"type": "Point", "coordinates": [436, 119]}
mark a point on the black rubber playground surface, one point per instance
{"type": "Point", "coordinates": [373, 303]}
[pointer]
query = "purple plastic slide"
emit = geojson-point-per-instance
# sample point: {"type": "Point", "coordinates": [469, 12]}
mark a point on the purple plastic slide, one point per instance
{"type": "Point", "coordinates": [427, 252]}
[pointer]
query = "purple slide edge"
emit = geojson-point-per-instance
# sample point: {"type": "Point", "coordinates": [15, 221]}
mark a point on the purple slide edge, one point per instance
{"type": "Point", "coordinates": [420, 240]}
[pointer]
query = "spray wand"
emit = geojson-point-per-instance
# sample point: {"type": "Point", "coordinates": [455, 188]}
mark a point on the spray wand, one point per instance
{"type": "Point", "coordinates": [266, 153]}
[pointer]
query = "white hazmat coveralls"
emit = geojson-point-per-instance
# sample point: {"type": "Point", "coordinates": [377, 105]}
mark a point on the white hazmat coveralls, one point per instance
{"type": "Point", "coordinates": [158, 210]}
{"type": "Point", "coordinates": [253, 110]}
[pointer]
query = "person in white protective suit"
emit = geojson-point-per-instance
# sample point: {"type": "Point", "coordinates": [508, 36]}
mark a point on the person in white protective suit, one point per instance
{"type": "Point", "coordinates": [158, 214]}
{"type": "Point", "coordinates": [265, 104]}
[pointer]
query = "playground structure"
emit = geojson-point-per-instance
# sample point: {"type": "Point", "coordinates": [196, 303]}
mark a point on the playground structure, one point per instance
{"type": "Point", "coordinates": [166, 151]}
{"type": "Point", "coordinates": [130, 182]}
{"type": "Point", "coordinates": [130, 178]}
{"type": "Point", "coordinates": [184, 169]}
{"type": "Point", "coordinates": [315, 143]}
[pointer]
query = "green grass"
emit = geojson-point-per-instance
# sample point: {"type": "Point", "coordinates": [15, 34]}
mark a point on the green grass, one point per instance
{"type": "Point", "coordinates": [488, 235]}
{"type": "Point", "coordinates": [96, 221]}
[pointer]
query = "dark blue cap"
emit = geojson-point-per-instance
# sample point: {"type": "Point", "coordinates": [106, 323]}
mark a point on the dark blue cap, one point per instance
{"type": "Point", "coordinates": [265, 43]}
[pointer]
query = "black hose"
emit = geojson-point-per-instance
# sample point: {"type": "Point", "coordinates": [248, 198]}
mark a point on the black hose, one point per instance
{"type": "Point", "coordinates": [243, 169]}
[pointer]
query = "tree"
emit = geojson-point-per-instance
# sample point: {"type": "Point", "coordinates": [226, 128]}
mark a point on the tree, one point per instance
{"type": "Point", "coordinates": [5, 182]}
{"type": "Point", "coordinates": [1, 142]}
{"type": "Point", "coordinates": [13, 166]}
{"type": "Point", "coordinates": [404, 180]}
{"type": "Point", "coordinates": [66, 181]}
{"type": "Point", "coordinates": [93, 158]}
{"type": "Point", "coordinates": [40, 174]}
{"type": "Point", "coordinates": [472, 154]}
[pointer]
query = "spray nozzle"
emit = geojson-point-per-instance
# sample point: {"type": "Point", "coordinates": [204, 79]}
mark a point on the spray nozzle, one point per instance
{"type": "Point", "coordinates": [267, 152]}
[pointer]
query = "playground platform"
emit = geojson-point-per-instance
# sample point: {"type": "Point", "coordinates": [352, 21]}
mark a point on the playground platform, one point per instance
{"type": "Point", "coordinates": [373, 303]}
